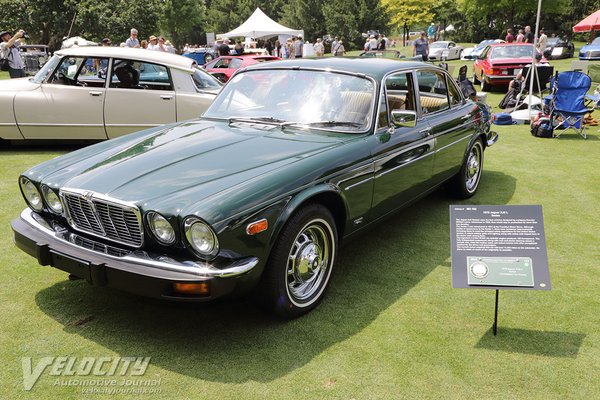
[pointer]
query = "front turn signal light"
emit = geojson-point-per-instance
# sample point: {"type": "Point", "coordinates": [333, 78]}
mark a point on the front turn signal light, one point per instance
{"type": "Point", "coordinates": [198, 289]}
{"type": "Point", "coordinates": [257, 227]}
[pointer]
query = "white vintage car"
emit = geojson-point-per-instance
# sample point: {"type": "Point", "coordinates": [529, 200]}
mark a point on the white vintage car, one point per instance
{"type": "Point", "coordinates": [103, 92]}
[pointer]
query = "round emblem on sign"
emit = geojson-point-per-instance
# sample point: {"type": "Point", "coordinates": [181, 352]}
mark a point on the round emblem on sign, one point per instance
{"type": "Point", "coordinates": [479, 269]}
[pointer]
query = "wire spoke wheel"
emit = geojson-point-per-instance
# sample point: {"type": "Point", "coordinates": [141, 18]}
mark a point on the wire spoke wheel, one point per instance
{"type": "Point", "coordinates": [309, 261]}
{"type": "Point", "coordinates": [473, 167]}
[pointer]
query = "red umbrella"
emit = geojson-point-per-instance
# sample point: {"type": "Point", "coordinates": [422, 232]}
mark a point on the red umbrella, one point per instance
{"type": "Point", "coordinates": [590, 23]}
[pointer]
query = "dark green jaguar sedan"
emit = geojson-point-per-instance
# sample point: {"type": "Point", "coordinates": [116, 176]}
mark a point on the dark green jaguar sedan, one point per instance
{"type": "Point", "coordinates": [256, 195]}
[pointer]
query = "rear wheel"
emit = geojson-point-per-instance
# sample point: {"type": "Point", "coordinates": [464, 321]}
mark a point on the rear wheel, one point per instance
{"type": "Point", "coordinates": [485, 87]}
{"type": "Point", "coordinates": [301, 262]}
{"type": "Point", "coordinates": [465, 184]}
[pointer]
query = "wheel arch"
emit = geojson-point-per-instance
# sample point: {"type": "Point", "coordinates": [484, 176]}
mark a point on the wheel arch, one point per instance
{"type": "Point", "coordinates": [325, 194]}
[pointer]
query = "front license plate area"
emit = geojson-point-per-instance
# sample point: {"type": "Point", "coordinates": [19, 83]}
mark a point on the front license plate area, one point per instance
{"type": "Point", "coordinates": [71, 265]}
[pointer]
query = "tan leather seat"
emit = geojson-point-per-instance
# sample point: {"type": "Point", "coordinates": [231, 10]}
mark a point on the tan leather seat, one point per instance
{"type": "Point", "coordinates": [355, 106]}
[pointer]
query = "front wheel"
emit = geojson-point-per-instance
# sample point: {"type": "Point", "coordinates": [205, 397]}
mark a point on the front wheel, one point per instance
{"type": "Point", "coordinates": [301, 262]}
{"type": "Point", "coordinates": [465, 184]}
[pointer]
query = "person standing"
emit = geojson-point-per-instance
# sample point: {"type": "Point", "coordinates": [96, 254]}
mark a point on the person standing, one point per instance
{"type": "Point", "coordinates": [298, 47]}
{"type": "Point", "coordinates": [520, 37]}
{"type": "Point", "coordinates": [542, 41]}
{"type": "Point", "coordinates": [528, 35]}
{"type": "Point", "coordinates": [339, 49]}
{"type": "Point", "coordinates": [224, 48]}
{"type": "Point", "coordinates": [153, 43]}
{"type": "Point", "coordinates": [431, 32]}
{"type": "Point", "coordinates": [319, 48]}
{"type": "Point", "coordinates": [133, 41]}
{"type": "Point", "coordinates": [9, 49]}
{"type": "Point", "coordinates": [509, 36]}
{"type": "Point", "coordinates": [373, 43]}
{"type": "Point", "coordinates": [334, 45]}
{"type": "Point", "coordinates": [421, 47]}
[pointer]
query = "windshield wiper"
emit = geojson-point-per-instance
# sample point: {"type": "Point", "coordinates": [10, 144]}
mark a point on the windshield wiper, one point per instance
{"type": "Point", "coordinates": [334, 123]}
{"type": "Point", "coordinates": [272, 120]}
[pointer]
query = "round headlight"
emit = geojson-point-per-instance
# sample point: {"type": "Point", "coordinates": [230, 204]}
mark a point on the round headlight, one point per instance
{"type": "Point", "coordinates": [31, 193]}
{"type": "Point", "coordinates": [52, 200]}
{"type": "Point", "coordinates": [160, 227]}
{"type": "Point", "coordinates": [200, 236]}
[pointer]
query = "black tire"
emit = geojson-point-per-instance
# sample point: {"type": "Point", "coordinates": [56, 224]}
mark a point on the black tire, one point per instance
{"type": "Point", "coordinates": [475, 80]}
{"type": "Point", "coordinates": [485, 87]}
{"type": "Point", "coordinates": [301, 263]}
{"type": "Point", "coordinates": [466, 182]}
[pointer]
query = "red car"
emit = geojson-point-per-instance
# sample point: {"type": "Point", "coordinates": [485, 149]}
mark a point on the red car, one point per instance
{"type": "Point", "coordinates": [224, 67]}
{"type": "Point", "coordinates": [498, 63]}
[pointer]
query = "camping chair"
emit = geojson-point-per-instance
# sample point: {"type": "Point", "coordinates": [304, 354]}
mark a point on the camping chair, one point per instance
{"type": "Point", "coordinates": [567, 101]}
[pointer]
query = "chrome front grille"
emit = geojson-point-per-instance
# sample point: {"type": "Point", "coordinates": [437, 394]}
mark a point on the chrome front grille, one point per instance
{"type": "Point", "coordinates": [103, 217]}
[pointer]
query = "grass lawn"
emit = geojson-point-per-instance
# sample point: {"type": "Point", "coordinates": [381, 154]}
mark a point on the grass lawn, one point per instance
{"type": "Point", "coordinates": [390, 326]}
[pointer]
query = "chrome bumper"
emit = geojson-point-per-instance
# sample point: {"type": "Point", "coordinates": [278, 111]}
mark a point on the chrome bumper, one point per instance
{"type": "Point", "coordinates": [54, 235]}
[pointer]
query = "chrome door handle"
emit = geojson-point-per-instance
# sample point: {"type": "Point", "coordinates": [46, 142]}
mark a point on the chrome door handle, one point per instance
{"type": "Point", "coordinates": [166, 96]}
{"type": "Point", "coordinates": [465, 117]}
{"type": "Point", "coordinates": [94, 93]}
{"type": "Point", "coordinates": [425, 132]}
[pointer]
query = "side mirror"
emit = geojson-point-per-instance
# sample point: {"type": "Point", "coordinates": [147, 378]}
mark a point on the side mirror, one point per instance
{"type": "Point", "coordinates": [404, 118]}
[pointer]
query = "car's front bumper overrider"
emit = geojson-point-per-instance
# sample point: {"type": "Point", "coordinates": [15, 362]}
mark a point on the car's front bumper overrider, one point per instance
{"type": "Point", "coordinates": [134, 271]}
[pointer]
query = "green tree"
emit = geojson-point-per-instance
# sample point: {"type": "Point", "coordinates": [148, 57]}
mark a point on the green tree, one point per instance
{"type": "Point", "coordinates": [350, 19]}
{"type": "Point", "coordinates": [306, 15]}
{"type": "Point", "coordinates": [181, 18]}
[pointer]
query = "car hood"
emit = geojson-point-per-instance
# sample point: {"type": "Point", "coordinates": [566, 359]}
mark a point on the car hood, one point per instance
{"type": "Point", "coordinates": [202, 156]}
{"type": "Point", "coordinates": [18, 84]}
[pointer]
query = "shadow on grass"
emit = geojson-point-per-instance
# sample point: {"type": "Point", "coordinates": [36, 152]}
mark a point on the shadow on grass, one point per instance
{"type": "Point", "coordinates": [550, 344]}
{"type": "Point", "coordinates": [232, 341]}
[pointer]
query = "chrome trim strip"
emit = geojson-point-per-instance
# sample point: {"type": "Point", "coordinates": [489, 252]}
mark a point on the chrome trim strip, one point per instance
{"type": "Point", "coordinates": [148, 125]}
{"type": "Point", "coordinates": [200, 270]}
{"type": "Point", "coordinates": [387, 171]}
{"type": "Point", "coordinates": [57, 125]}
{"type": "Point", "coordinates": [359, 183]}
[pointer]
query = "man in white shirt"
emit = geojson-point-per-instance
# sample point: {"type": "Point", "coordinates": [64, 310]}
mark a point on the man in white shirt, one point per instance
{"type": "Point", "coordinates": [319, 48]}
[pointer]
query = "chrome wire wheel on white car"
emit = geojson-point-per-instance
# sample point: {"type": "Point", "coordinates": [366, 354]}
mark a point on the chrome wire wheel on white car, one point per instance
{"type": "Point", "coordinates": [466, 182]}
{"type": "Point", "coordinates": [301, 262]}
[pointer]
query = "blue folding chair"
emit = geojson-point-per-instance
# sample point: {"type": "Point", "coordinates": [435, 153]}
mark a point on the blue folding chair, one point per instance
{"type": "Point", "coordinates": [567, 101]}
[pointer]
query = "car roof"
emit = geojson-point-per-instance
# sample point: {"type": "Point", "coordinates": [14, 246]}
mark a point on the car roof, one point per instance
{"type": "Point", "coordinates": [374, 67]}
{"type": "Point", "coordinates": [510, 44]}
{"type": "Point", "coordinates": [171, 60]}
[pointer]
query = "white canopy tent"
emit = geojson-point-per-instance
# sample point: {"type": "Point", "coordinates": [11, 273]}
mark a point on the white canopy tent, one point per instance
{"type": "Point", "coordinates": [259, 25]}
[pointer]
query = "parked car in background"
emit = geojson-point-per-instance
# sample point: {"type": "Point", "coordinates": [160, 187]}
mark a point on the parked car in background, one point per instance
{"type": "Point", "coordinates": [225, 66]}
{"type": "Point", "coordinates": [498, 63]}
{"type": "Point", "coordinates": [471, 53]}
{"type": "Point", "coordinates": [392, 54]}
{"type": "Point", "coordinates": [103, 92]}
{"type": "Point", "coordinates": [33, 56]}
{"type": "Point", "coordinates": [559, 48]}
{"type": "Point", "coordinates": [289, 160]}
{"type": "Point", "coordinates": [590, 51]}
{"type": "Point", "coordinates": [445, 49]}
{"type": "Point", "coordinates": [201, 55]}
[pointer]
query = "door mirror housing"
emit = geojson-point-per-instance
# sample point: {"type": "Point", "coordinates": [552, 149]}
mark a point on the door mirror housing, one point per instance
{"type": "Point", "coordinates": [404, 118]}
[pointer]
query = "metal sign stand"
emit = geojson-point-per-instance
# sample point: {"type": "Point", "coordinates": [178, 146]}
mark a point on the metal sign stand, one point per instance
{"type": "Point", "coordinates": [495, 326]}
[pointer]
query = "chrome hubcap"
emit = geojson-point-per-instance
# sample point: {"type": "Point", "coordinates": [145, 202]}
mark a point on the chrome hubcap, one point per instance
{"type": "Point", "coordinates": [309, 261]}
{"type": "Point", "coordinates": [473, 168]}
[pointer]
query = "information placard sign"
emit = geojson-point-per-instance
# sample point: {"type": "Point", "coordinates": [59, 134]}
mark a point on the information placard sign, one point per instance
{"type": "Point", "coordinates": [498, 247]}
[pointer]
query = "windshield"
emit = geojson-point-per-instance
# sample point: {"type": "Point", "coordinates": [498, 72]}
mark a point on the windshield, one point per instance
{"type": "Point", "coordinates": [596, 41]}
{"type": "Point", "coordinates": [320, 99]}
{"type": "Point", "coordinates": [438, 45]}
{"type": "Point", "coordinates": [46, 69]}
{"type": "Point", "coordinates": [512, 52]}
{"type": "Point", "coordinates": [553, 40]}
